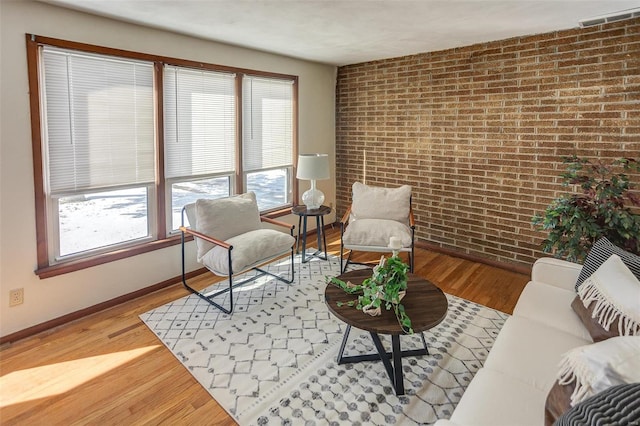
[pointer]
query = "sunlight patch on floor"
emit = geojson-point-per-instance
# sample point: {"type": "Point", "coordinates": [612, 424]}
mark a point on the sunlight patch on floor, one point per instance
{"type": "Point", "coordinates": [53, 379]}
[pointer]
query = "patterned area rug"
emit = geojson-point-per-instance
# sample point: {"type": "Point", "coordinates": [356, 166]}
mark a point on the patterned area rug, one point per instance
{"type": "Point", "coordinates": [273, 361]}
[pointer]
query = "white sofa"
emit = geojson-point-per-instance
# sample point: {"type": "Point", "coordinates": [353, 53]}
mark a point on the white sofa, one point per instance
{"type": "Point", "coordinates": [512, 387]}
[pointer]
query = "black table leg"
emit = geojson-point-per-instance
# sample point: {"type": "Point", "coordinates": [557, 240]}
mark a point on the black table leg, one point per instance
{"type": "Point", "coordinates": [393, 370]}
{"type": "Point", "coordinates": [392, 361]}
{"type": "Point", "coordinates": [350, 359]}
{"type": "Point", "coordinates": [324, 237]}
{"type": "Point", "coordinates": [398, 374]}
{"type": "Point", "coordinates": [318, 230]}
{"type": "Point", "coordinates": [321, 237]}
{"type": "Point", "coordinates": [343, 344]}
{"type": "Point", "coordinates": [298, 240]}
{"type": "Point", "coordinates": [304, 239]}
{"type": "Point", "coordinates": [424, 342]}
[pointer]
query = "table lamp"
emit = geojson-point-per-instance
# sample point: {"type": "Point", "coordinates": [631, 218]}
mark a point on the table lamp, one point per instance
{"type": "Point", "coordinates": [313, 167]}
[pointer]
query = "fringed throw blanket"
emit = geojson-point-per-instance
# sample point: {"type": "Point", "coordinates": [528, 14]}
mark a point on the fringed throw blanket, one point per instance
{"type": "Point", "coordinates": [616, 294]}
{"type": "Point", "coordinates": [599, 366]}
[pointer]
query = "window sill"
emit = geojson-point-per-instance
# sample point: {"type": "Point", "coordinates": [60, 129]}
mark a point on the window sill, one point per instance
{"type": "Point", "coordinates": [88, 262]}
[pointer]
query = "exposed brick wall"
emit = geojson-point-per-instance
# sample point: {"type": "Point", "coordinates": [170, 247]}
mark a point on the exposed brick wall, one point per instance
{"type": "Point", "coordinates": [479, 131]}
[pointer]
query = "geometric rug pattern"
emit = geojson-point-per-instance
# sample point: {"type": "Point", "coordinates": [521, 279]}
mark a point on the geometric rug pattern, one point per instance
{"type": "Point", "coordinates": [273, 360]}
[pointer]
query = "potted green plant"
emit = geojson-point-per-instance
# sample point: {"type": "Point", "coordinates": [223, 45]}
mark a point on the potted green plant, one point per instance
{"type": "Point", "coordinates": [386, 287]}
{"type": "Point", "coordinates": [602, 206]}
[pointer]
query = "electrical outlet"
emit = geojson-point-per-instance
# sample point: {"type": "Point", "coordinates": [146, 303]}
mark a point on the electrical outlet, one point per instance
{"type": "Point", "coordinates": [16, 297]}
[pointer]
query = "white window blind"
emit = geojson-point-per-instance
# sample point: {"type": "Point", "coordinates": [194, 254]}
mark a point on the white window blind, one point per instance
{"type": "Point", "coordinates": [200, 122]}
{"type": "Point", "coordinates": [99, 128]}
{"type": "Point", "coordinates": [267, 123]}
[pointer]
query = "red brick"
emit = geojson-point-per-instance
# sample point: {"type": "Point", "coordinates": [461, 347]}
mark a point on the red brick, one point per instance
{"type": "Point", "coordinates": [479, 131]}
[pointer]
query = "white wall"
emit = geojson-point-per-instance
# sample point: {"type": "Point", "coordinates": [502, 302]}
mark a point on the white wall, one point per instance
{"type": "Point", "coordinates": [53, 297]}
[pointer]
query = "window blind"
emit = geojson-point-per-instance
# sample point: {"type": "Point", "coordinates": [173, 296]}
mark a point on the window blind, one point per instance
{"type": "Point", "coordinates": [267, 123]}
{"type": "Point", "coordinates": [200, 122]}
{"type": "Point", "coordinates": [99, 128]}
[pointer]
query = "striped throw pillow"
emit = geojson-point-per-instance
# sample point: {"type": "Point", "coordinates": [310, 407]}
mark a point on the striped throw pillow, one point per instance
{"type": "Point", "coordinates": [600, 252]}
{"type": "Point", "coordinates": [616, 406]}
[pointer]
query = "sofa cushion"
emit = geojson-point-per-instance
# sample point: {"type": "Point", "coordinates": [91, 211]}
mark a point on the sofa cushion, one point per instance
{"type": "Point", "coordinates": [530, 351]}
{"type": "Point", "coordinates": [550, 305]}
{"type": "Point", "coordinates": [592, 325]}
{"type": "Point", "coordinates": [495, 399]}
{"type": "Point", "coordinates": [599, 253]}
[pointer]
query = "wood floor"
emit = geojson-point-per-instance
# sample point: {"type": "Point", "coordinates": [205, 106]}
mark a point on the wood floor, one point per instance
{"type": "Point", "coordinates": [108, 368]}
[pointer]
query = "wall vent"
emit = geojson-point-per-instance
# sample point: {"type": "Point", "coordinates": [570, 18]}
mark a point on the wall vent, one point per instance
{"type": "Point", "coordinates": [604, 19]}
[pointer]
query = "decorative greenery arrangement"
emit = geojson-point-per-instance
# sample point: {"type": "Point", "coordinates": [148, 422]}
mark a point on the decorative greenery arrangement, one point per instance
{"type": "Point", "coordinates": [601, 209]}
{"type": "Point", "coordinates": [387, 285]}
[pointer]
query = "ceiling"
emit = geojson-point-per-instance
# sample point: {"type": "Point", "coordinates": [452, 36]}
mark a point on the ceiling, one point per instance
{"type": "Point", "coordinates": [341, 32]}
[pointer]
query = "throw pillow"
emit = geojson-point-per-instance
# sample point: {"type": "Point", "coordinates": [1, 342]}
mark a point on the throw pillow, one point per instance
{"type": "Point", "coordinates": [596, 331]}
{"type": "Point", "coordinates": [614, 293]}
{"type": "Point", "coordinates": [371, 202]}
{"type": "Point", "coordinates": [598, 366]}
{"type": "Point", "coordinates": [599, 253]}
{"type": "Point", "coordinates": [558, 402]}
{"type": "Point", "coordinates": [616, 406]}
{"type": "Point", "coordinates": [224, 218]}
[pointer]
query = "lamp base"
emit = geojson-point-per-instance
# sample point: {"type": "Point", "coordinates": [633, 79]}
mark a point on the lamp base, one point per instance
{"type": "Point", "coordinates": [313, 198]}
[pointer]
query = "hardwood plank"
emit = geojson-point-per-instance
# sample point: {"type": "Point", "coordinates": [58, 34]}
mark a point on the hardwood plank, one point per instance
{"type": "Point", "coordinates": [109, 368]}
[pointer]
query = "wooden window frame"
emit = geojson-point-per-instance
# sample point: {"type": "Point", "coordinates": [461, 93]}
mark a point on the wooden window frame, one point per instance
{"type": "Point", "coordinates": [44, 268]}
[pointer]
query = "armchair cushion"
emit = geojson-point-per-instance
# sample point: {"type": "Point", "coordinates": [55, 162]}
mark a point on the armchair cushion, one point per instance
{"type": "Point", "coordinates": [249, 249]}
{"type": "Point", "coordinates": [224, 218]}
{"type": "Point", "coordinates": [370, 202]}
{"type": "Point", "coordinates": [375, 232]}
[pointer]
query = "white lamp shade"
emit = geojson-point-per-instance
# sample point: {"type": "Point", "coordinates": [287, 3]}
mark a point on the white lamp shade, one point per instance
{"type": "Point", "coordinates": [313, 166]}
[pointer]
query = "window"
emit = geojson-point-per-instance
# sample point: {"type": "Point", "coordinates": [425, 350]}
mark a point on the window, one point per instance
{"type": "Point", "coordinates": [123, 140]}
{"type": "Point", "coordinates": [99, 151]}
{"type": "Point", "coordinates": [199, 136]}
{"type": "Point", "coordinates": [267, 140]}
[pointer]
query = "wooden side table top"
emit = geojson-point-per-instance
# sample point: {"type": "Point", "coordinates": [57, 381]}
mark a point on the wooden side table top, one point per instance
{"type": "Point", "coordinates": [425, 304]}
{"type": "Point", "coordinates": [302, 210]}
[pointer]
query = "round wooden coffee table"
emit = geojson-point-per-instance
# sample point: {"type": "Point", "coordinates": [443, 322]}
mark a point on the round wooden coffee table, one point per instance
{"type": "Point", "coordinates": [425, 304]}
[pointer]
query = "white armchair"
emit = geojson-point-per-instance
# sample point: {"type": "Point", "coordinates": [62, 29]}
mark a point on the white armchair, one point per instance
{"type": "Point", "coordinates": [230, 240]}
{"type": "Point", "coordinates": [376, 214]}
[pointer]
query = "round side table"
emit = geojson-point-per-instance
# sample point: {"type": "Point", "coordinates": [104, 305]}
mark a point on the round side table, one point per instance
{"type": "Point", "coordinates": [425, 304]}
{"type": "Point", "coordinates": [303, 213]}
